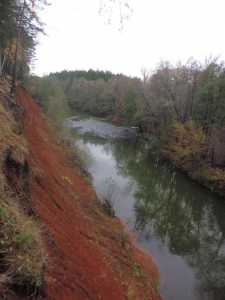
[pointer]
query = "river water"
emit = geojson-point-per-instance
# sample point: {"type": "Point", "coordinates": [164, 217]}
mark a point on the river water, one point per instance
{"type": "Point", "coordinates": [179, 223]}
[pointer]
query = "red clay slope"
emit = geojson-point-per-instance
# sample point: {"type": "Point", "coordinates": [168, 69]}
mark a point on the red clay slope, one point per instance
{"type": "Point", "coordinates": [90, 255]}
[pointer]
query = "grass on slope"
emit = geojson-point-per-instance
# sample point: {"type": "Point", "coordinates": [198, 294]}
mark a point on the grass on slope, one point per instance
{"type": "Point", "coordinates": [22, 253]}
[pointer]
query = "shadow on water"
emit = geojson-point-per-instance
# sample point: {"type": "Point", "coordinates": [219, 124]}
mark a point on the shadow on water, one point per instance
{"type": "Point", "coordinates": [181, 224]}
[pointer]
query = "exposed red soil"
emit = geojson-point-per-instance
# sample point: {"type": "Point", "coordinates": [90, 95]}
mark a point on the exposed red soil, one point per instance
{"type": "Point", "coordinates": [90, 255]}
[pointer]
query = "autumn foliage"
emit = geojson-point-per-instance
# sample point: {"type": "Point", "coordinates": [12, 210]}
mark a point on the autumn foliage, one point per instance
{"type": "Point", "coordinates": [186, 144]}
{"type": "Point", "coordinates": [186, 147]}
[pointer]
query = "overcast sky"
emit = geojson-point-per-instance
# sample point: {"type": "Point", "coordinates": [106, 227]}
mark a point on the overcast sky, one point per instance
{"type": "Point", "coordinates": [79, 38]}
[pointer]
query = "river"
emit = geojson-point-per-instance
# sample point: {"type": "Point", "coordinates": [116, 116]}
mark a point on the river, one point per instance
{"type": "Point", "coordinates": [179, 223]}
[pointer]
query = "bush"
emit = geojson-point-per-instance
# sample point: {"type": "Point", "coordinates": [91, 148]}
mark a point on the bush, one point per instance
{"type": "Point", "coordinates": [108, 207]}
{"type": "Point", "coordinates": [185, 145]}
{"type": "Point", "coordinates": [108, 198]}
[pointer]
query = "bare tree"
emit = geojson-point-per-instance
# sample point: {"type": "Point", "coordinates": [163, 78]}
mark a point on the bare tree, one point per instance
{"type": "Point", "coordinates": [112, 8]}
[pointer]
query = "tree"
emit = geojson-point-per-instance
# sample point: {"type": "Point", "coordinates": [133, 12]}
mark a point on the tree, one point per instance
{"type": "Point", "coordinates": [108, 7]}
{"type": "Point", "coordinates": [7, 29]}
{"type": "Point", "coordinates": [28, 26]}
{"type": "Point", "coordinates": [19, 26]}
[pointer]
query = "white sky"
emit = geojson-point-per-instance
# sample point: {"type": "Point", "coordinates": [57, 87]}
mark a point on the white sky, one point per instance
{"type": "Point", "coordinates": [79, 38]}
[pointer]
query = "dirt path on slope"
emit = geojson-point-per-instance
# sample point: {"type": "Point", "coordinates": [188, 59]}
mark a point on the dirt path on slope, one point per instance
{"type": "Point", "coordinates": [90, 255]}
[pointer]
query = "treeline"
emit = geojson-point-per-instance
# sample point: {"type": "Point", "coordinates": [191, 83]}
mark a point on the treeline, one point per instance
{"type": "Point", "coordinates": [19, 27]}
{"type": "Point", "coordinates": [180, 107]}
{"type": "Point", "coordinates": [97, 93]}
{"type": "Point", "coordinates": [88, 75]}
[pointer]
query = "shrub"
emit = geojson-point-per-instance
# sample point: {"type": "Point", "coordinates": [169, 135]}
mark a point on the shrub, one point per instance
{"type": "Point", "coordinates": [108, 207]}
{"type": "Point", "coordinates": [108, 197]}
{"type": "Point", "coordinates": [185, 144]}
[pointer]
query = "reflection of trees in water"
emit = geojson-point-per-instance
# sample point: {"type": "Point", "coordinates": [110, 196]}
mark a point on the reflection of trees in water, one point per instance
{"type": "Point", "coordinates": [185, 217]}
{"type": "Point", "coordinates": [209, 259]}
{"type": "Point", "coordinates": [179, 212]}
{"type": "Point", "coordinates": [90, 138]}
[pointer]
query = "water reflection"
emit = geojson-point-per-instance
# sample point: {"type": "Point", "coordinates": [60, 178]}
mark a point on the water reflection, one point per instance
{"type": "Point", "coordinates": [180, 223]}
{"type": "Point", "coordinates": [187, 218]}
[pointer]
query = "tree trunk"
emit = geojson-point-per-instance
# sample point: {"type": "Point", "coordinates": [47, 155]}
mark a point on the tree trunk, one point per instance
{"type": "Point", "coordinates": [0, 65]}
{"type": "Point", "coordinates": [14, 72]}
{"type": "Point", "coordinates": [18, 36]}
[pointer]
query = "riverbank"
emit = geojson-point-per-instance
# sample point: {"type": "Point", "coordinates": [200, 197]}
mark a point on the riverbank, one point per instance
{"type": "Point", "coordinates": [174, 218]}
{"type": "Point", "coordinates": [184, 147]}
{"type": "Point", "coordinates": [191, 130]}
{"type": "Point", "coordinates": [213, 179]}
{"type": "Point", "coordinates": [91, 256]}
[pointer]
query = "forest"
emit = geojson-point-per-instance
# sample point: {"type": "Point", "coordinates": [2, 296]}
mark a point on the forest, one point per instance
{"type": "Point", "coordinates": [179, 110]}
{"type": "Point", "coordinates": [53, 217]}
{"type": "Point", "coordinates": [19, 28]}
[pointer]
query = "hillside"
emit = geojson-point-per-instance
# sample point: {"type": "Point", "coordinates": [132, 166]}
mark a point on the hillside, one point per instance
{"type": "Point", "coordinates": [88, 254]}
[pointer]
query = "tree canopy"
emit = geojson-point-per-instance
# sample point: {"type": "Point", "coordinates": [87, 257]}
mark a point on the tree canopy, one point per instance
{"type": "Point", "coordinates": [19, 27]}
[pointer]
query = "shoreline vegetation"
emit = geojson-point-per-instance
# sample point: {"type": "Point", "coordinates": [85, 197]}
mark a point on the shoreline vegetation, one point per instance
{"type": "Point", "coordinates": [56, 240]}
{"type": "Point", "coordinates": [79, 226]}
{"type": "Point", "coordinates": [179, 109]}
{"type": "Point", "coordinates": [49, 213]}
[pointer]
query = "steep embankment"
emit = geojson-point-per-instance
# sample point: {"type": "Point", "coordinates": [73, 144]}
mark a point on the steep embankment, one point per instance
{"type": "Point", "coordinates": [22, 251]}
{"type": "Point", "coordinates": [90, 254]}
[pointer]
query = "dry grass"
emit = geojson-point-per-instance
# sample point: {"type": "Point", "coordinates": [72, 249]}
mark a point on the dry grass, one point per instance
{"type": "Point", "coordinates": [22, 253]}
{"type": "Point", "coordinates": [9, 138]}
{"type": "Point", "coordinates": [21, 249]}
